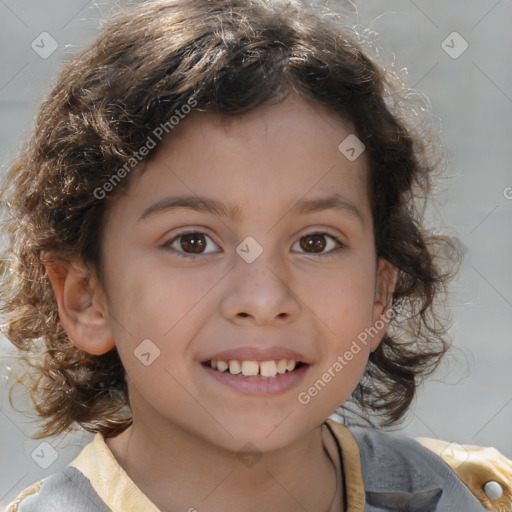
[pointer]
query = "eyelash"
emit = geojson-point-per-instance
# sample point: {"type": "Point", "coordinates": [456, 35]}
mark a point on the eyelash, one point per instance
{"type": "Point", "coordinates": [190, 256]}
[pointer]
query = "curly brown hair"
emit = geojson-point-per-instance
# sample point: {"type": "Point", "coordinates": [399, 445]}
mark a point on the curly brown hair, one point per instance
{"type": "Point", "coordinates": [231, 56]}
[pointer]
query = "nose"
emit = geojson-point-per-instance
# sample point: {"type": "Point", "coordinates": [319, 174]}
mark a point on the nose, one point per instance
{"type": "Point", "coordinates": [260, 293]}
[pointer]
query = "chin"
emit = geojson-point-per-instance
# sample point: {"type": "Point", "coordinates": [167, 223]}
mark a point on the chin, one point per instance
{"type": "Point", "coordinates": [264, 433]}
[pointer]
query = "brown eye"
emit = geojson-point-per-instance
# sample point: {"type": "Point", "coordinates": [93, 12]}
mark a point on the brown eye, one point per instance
{"type": "Point", "coordinates": [315, 243]}
{"type": "Point", "coordinates": [194, 243]}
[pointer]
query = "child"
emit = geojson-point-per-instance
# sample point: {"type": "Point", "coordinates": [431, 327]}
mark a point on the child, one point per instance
{"type": "Point", "coordinates": [214, 243]}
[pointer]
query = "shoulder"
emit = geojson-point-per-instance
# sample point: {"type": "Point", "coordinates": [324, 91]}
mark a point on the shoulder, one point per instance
{"type": "Point", "coordinates": [485, 471]}
{"type": "Point", "coordinates": [447, 474]}
{"type": "Point", "coordinates": [29, 491]}
{"type": "Point", "coordinates": [63, 491]}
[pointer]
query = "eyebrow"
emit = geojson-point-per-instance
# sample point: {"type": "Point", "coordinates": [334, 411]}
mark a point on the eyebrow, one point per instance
{"type": "Point", "coordinates": [232, 211]}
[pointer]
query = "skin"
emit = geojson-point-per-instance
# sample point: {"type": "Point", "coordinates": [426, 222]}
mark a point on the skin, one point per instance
{"type": "Point", "coordinates": [187, 427]}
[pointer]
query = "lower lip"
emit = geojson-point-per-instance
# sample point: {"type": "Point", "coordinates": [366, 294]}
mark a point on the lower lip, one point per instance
{"type": "Point", "coordinates": [258, 385]}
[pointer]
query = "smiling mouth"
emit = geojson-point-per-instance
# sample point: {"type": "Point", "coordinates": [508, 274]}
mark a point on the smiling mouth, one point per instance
{"type": "Point", "coordinates": [251, 368]}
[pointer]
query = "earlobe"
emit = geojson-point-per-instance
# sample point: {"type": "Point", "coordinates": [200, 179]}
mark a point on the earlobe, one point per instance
{"type": "Point", "coordinates": [80, 300]}
{"type": "Point", "coordinates": [387, 276]}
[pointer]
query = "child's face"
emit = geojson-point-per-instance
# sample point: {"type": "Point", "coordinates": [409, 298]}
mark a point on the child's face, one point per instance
{"type": "Point", "coordinates": [299, 295]}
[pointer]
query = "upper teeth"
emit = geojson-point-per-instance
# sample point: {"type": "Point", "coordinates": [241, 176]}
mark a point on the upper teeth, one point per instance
{"type": "Point", "coordinates": [263, 368]}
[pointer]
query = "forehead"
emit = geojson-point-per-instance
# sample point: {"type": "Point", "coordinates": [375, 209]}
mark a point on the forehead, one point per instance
{"type": "Point", "coordinates": [266, 159]}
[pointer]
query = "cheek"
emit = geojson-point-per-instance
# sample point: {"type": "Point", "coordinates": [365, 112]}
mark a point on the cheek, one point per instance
{"type": "Point", "coordinates": [149, 301]}
{"type": "Point", "coordinates": [154, 323]}
{"type": "Point", "coordinates": [342, 305]}
{"type": "Point", "coordinates": [342, 300]}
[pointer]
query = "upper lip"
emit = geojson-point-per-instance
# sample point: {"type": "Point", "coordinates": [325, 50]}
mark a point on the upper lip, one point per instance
{"type": "Point", "coordinates": [257, 354]}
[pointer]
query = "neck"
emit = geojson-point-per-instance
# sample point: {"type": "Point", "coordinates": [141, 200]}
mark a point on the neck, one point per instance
{"type": "Point", "coordinates": [179, 471]}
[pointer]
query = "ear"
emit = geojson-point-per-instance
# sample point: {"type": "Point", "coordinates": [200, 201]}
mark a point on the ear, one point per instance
{"type": "Point", "coordinates": [81, 303]}
{"type": "Point", "coordinates": [386, 278]}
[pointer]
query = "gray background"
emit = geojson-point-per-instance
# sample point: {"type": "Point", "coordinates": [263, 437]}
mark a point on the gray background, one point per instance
{"type": "Point", "coordinates": [469, 400]}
